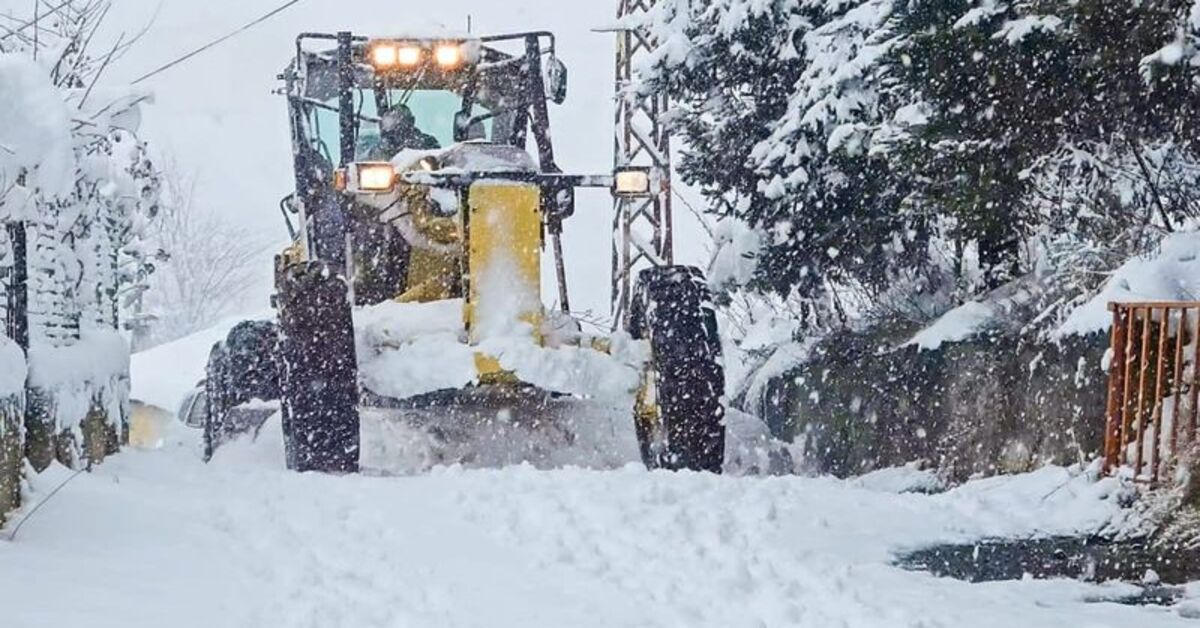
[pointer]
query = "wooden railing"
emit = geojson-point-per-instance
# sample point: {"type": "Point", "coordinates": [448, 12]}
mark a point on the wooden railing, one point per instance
{"type": "Point", "coordinates": [1153, 387]}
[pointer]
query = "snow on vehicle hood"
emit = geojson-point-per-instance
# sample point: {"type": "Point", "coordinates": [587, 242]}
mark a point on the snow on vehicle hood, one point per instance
{"type": "Point", "coordinates": [471, 157]}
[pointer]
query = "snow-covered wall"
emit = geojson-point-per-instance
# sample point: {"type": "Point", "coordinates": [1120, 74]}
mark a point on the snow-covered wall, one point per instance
{"type": "Point", "coordinates": [980, 404]}
{"type": "Point", "coordinates": [12, 407]}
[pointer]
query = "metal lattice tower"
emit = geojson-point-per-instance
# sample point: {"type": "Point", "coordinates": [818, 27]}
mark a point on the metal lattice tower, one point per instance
{"type": "Point", "coordinates": [641, 227]}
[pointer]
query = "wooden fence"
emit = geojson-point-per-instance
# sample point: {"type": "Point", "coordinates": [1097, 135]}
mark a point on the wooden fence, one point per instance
{"type": "Point", "coordinates": [1153, 387]}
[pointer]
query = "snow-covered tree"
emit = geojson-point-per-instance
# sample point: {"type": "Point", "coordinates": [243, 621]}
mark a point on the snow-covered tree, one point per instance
{"type": "Point", "coordinates": [779, 105]}
{"type": "Point", "coordinates": [1056, 137]}
{"type": "Point", "coordinates": [896, 156]}
{"type": "Point", "coordinates": [206, 266]}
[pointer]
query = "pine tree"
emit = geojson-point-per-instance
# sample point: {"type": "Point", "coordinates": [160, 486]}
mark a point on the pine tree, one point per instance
{"type": "Point", "coordinates": [777, 111]}
{"type": "Point", "coordinates": [881, 146]}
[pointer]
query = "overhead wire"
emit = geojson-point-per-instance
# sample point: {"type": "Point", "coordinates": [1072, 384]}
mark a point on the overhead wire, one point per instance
{"type": "Point", "coordinates": [280, 9]}
{"type": "Point", "coordinates": [13, 536]}
{"type": "Point", "coordinates": [34, 22]}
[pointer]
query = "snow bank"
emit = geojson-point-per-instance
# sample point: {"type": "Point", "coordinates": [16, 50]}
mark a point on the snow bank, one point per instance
{"type": "Point", "coordinates": [98, 356]}
{"type": "Point", "coordinates": [1172, 274]}
{"type": "Point", "coordinates": [784, 357]}
{"type": "Point", "coordinates": [164, 375]}
{"type": "Point", "coordinates": [1052, 501]}
{"type": "Point", "coordinates": [907, 479]}
{"type": "Point", "coordinates": [1001, 305]}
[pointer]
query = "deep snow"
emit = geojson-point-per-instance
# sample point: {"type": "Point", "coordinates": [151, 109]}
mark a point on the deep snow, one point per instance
{"type": "Point", "coordinates": [164, 375]}
{"type": "Point", "coordinates": [160, 539]}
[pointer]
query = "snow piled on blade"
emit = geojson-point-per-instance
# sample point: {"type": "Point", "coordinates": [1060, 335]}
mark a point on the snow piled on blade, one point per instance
{"type": "Point", "coordinates": [582, 417]}
{"type": "Point", "coordinates": [405, 350]}
{"type": "Point", "coordinates": [576, 371]}
{"type": "Point", "coordinates": [411, 349]}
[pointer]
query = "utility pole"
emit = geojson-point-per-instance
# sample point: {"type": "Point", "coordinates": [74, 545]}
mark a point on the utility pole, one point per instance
{"type": "Point", "coordinates": [641, 226]}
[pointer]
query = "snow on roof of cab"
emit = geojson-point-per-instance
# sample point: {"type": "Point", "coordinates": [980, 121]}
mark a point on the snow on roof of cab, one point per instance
{"type": "Point", "coordinates": [427, 35]}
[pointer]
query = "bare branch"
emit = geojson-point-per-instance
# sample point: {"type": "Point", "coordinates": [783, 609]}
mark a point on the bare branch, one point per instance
{"type": "Point", "coordinates": [108, 59]}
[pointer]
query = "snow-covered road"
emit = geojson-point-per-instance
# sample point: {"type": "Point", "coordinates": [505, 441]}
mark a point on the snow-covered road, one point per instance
{"type": "Point", "coordinates": [159, 539]}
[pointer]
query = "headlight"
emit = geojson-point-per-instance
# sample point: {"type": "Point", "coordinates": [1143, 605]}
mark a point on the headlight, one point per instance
{"type": "Point", "coordinates": [448, 55]}
{"type": "Point", "coordinates": [409, 56]}
{"type": "Point", "coordinates": [376, 177]}
{"type": "Point", "coordinates": [632, 182]}
{"type": "Point", "coordinates": [387, 55]}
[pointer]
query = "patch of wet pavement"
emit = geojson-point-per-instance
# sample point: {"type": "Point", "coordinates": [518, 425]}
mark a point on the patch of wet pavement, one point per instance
{"type": "Point", "coordinates": [1160, 568]}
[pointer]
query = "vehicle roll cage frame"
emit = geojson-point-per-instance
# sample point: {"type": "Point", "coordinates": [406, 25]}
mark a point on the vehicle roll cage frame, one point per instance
{"type": "Point", "coordinates": [531, 111]}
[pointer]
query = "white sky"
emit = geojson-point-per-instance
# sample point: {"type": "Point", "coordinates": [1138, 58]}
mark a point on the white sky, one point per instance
{"type": "Point", "coordinates": [216, 117]}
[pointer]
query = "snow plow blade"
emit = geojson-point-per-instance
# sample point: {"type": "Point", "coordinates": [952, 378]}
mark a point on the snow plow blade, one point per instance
{"type": "Point", "coordinates": [493, 426]}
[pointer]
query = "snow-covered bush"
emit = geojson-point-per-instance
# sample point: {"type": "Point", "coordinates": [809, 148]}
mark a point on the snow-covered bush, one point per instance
{"type": "Point", "coordinates": [207, 265]}
{"type": "Point", "coordinates": [77, 192]}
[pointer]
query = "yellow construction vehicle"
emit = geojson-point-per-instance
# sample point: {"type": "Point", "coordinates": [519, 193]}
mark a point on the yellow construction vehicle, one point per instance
{"type": "Point", "coordinates": [426, 192]}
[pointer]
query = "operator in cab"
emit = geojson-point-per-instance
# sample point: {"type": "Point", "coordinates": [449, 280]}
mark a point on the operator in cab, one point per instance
{"type": "Point", "coordinates": [398, 131]}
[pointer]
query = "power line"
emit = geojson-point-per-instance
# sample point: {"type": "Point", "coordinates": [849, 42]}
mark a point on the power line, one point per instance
{"type": "Point", "coordinates": [34, 22]}
{"type": "Point", "coordinates": [12, 537]}
{"type": "Point", "coordinates": [219, 40]}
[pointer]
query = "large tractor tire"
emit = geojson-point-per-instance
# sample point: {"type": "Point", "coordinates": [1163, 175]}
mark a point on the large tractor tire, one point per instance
{"type": "Point", "coordinates": [241, 369]}
{"type": "Point", "coordinates": [320, 374]}
{"type": "Point", "coordinates": [681, 412]}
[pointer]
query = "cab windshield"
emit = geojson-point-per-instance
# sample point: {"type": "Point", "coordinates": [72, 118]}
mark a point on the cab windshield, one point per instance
{"type": "Point", "coordinates": [390, 121]}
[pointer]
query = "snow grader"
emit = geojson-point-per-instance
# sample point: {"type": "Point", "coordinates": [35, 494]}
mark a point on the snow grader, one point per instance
{"type": "Point", "coordinates": [426, 196]}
